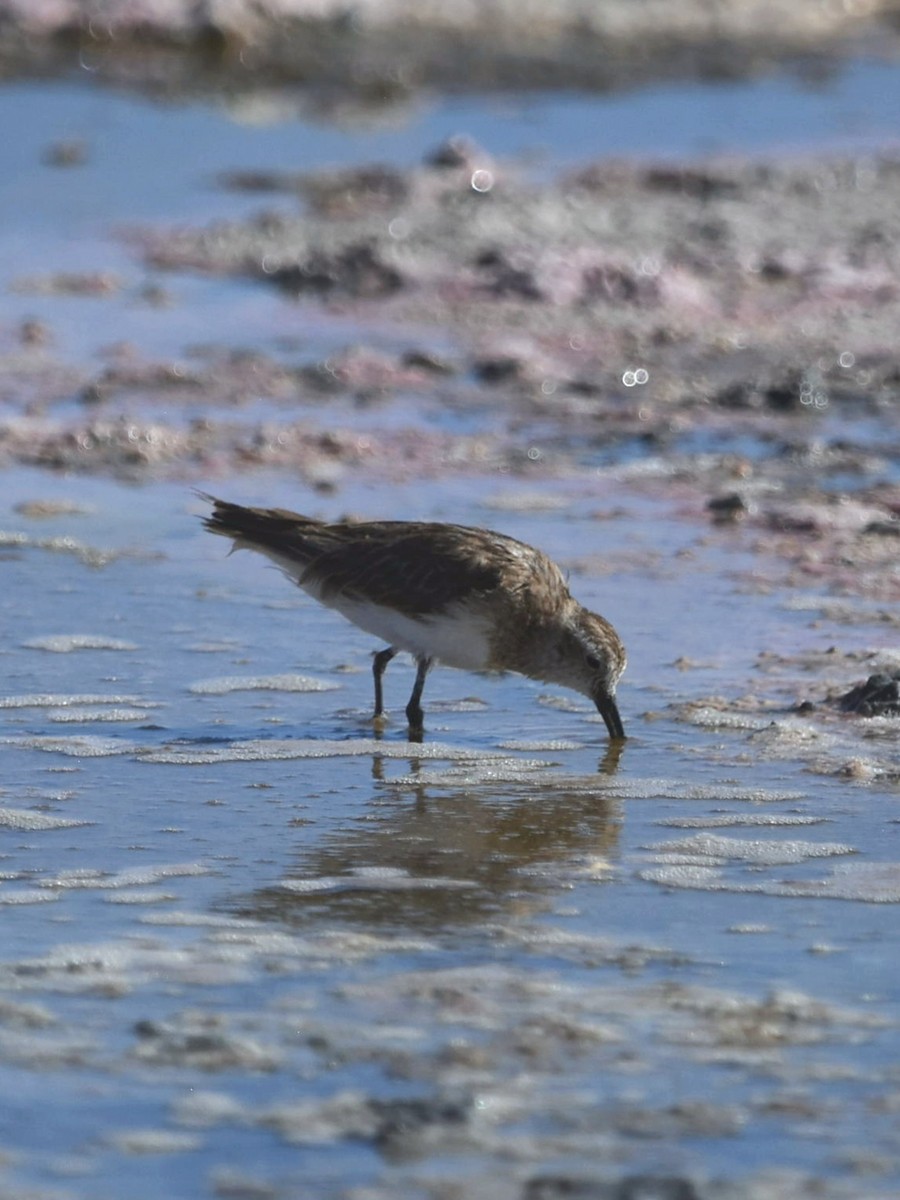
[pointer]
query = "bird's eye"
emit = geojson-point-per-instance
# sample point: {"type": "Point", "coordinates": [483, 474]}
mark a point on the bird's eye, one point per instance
{"type": "Point", "coordinates": [592, 661]}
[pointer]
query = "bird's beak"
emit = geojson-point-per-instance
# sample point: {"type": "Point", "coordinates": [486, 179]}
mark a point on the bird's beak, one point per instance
{"type": "Point", "coordinates": [608, 710]}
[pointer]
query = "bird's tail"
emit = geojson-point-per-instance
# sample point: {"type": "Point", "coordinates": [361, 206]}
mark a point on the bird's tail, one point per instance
{"type": "Point", "coordinates": [256, 528]}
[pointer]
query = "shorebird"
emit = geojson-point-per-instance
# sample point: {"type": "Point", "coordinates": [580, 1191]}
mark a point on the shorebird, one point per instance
{"type": "Point", "coordinates": [466, 597]}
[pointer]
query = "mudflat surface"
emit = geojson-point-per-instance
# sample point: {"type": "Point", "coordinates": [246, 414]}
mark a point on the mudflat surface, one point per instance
{"type": "Point", "coordinates": [385, 49]}
{"type": "Point", "coordinates": [250, 948]}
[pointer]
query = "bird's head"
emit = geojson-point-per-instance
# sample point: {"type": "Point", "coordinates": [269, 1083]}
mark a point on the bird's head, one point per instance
{"type": "Point", "coordinates": [602, 661]}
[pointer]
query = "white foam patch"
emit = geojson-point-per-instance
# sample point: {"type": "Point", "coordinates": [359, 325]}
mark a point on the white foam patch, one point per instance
{"type": "Point", "coordinates": [467, 705]}
{"type": "Point", "coordinates": [577, 945]}
{"type": "Point", "coordinates": [386, 879]}
{"type": "Point", "coordinates": [483, 770]}
{"type": "Point", "coordinates": [769, 853]}
{"type": "Point", "coordinates": [184, 918]}
{"type": "Point", "coordinates": [22, 818]}
{"type": "Point", "coordinates": [525, 502]}
{"type": "Point", "coordinates": [129, 878]}
{"type": "Point", "coordinates": [283, 748]}
{"type": "Point", "coordinates": [347, 1114]}
{"type": "Point", "coordinates": [65, 643]}
{"type": "Point", "coordinates": [540, 744]}
{"type": "Point", "coordinates": [678, 860]}
{"type": "Point", "coordinates": [562, 703]}
{"type": "Point", "coordinates": [62, 700]}
{"type": "Point", "coordinates": [497, 768]}
{"type": "Point", "coordinates": [781, 738]}
{"type": "Point", "coordinates": [871, 883]}
{"type": "Point", "coordinates": [219, 957]}
{"type": "Point", "coordinates": [26, 1016]}
{"type": "Point", "coordinates": [752, 795]}
{"type": "Point", "coordinates": [91, 556]}
{"type": "Point", "coordinates": [111, 968]}
{"type": "Point", "coordinates": [710, 717]}
{"type": "Point", "coordinates": [153, 1141]}
{"type": "Point", "coordinates": [72, 716]}
{"type": "Point", "coordinates": [205, 1109]}
{"type": "Point", "coordinates": [724, 821]}
{"type": "Point", "coordinates": [139, 897]}
{"type": "Point", "coordinates": [39, 510]}
{"type": "Point", "coordinates": [262, 683]}
{"type": "Point", "coordinates": [27, 896]}
{"type": "Point", "coordinates": [223, 647]}
{"type": "Point", "coordinates": [704, 879]}
{"type": "Point", "coordinates": [79, 746]}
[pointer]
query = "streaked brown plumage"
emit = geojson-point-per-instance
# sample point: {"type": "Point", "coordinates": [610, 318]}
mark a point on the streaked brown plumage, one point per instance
{"type": "Point", "coordinates": [467, 597]}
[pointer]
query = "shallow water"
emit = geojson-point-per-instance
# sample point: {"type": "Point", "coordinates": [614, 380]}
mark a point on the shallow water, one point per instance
{"type": "Point", "coordinates": [253, 950]}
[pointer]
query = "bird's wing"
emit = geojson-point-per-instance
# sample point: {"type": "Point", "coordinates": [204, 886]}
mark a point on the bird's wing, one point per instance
{"type": "Point", "coordinates": [421, 569]}
{"type": "Point", "coordinates": [417, 567]}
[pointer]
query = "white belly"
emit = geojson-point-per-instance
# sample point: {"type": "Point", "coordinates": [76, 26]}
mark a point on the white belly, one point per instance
{"type": "Point", "coordinates": [456, 638]}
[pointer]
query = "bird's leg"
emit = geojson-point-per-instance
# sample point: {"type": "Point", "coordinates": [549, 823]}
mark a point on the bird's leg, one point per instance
{"type": "Point", "coordinates": [414, 713]}
{"type": "Point", "coordinates": [379, 662]}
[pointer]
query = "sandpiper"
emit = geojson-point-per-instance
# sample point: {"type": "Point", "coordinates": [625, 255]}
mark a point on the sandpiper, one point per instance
{"type": "Point", "coordinates": [465, 597]}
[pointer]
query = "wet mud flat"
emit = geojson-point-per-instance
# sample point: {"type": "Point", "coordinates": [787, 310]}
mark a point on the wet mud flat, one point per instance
{"type": "Point", "coordinates": [388, 48]}
{"type": "Point", "coordinates": [250, 949]}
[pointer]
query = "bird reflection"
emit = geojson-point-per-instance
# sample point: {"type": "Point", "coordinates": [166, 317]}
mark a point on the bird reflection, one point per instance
{"type": "Point", "coordinates": [609, 762]}
{"type": "Point", "coordinates": [430, 856]}
{"type": "Point", "coordinates": [611, 757]}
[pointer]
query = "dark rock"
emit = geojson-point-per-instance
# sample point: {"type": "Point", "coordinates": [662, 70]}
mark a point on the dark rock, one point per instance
{"type": "Point", "coordinates": [782, 393]}
{"type": "Point", "coordinates": [584, 387]}
{"type": "Point", "coordinates": [399, 1120]}
{"type": "Point", "coordinates": [783, 396]}
{"type": "Point", "coordinates": [259, 181]}
{"type": "Point", "coordinates": [740, 394]}
{"type": "Point", "coordinates": [425, 360]}
{"type": "Point", "coordinates": [786, 522]}
{"type": "Point", "coordinates": [727, 509]}
{"type": "Point", "coordinates": [68, 152]}
{"type": "Point", "coordinates": [879, 696]}
{"type": "Point", "coordinates": [456, 151]}
{"type": "Point", "coordinates": [690, 181]}
{"type": "Point", "coordinates": [889, 528]}
{"type": "Point", "coordinates": [562, 1187]}
{"type": "Point", "coordinates": [357, 191]}
{"type": "Point", "coordinates": [505, 278]}
{"type": "Point", "coordinates": [358, 269]}
{"type": "Point", "coordinates": [498, 370]}
{"type": "Point", "coordinates": [774, 269]}
{"type": "Point", "coordinates": [618, 285]}
{"type": "Point", "coordinates": [33, 332]}
{"type": "Point", "coordinates": [632, 1187]}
